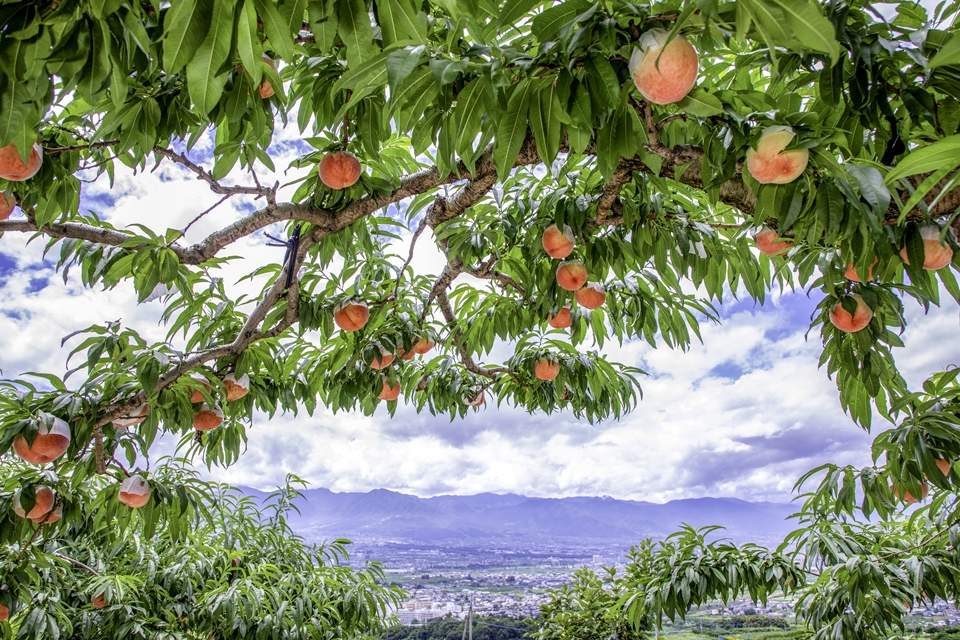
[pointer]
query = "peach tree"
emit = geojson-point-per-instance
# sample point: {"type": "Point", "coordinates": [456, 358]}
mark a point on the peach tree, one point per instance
{"type": "Point", "coordinates": [589, 171]}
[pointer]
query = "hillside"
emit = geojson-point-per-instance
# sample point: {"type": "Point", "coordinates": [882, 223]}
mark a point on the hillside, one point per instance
{"type": "Point", "coordinates": [385, 514]}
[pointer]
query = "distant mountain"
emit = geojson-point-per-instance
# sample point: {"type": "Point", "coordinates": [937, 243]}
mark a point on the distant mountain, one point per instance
{"type": "Point", "coordinates": [388, 515]}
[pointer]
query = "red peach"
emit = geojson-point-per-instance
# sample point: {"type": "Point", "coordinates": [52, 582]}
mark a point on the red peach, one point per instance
{"type": "Point", "coordinates": [562, 320]}
{"type": "Point", "coordinates": [770, 164]}
{"type": "Point", "coordinates": [197, 394]}
{"type": "Point", "coordinates": [936, 255]}
{"type": "Point", "coordinates": [558, 244]}
{"type": "Point", "coordinates": [768, 244]}
{"type": "Point", "coordinates": [841, 318]}
{"type": "Point", "coordinates": [236, 388]}
{"type": "Point", "coordinates": [43, 503]}
{"type": "Point", "coordinates": [339, 170]}
{"type": "Point", "coordinates": [592, 296]}
{"type": "Point", "coordinates": [423, 345]}
{"type": "Point", "coordinates": [571, 275]}
{"type": "Point", "coordinates": [4, 612]}
{"type": "Point", "coordinates": [207, 418]}
{"type": "Point", "coordinates": [266, 89]}
{"type": "Point", "coordinates": [389, 393]}
{"type": "Point", "coordinates": [351, 316]}
{"type": "Point", "coordinates": [944, 466]}
{"type": "Point", "coordinates": [664, 72]}
{"type": "Point", "coordinates": [12, 167]}
{"type": "Point", "coordinates": [909, 499]}
{"type": "Point", "coordinates": [134, 492]}
{"type": "Point", "coordinates": [50, 517]}
{"type": "Point", "coordinates": [546, 369]}
{"type": "Point", "coordinates": [7, 204]}
{"type": "Point", "coordinates": [99, 601]}
{"type": "Point", "coordinates": [474, 401]}
{"type": "Point", "coordinates": [852, 275]}
{"type": "Point", "coordinates": [50, 443]}
{"type": "Point", "coordinates": [384, 360]}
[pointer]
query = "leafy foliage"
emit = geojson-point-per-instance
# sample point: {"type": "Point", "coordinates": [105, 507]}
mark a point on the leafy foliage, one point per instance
{"type": "Point", "coordinates": [528, 107]}
{"type": "Point", "coordinates": [228, 567]}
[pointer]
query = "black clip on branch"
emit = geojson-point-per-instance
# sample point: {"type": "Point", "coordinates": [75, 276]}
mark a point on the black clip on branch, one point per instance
{"type": "Point", "coordinates": [290, 258]}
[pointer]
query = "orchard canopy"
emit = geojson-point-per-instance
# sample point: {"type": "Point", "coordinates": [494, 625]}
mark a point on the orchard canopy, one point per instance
{"type": "Point", "coordinates": [591, 171]}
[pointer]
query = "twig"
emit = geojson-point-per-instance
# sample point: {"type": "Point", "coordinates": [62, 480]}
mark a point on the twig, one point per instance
{"type": "Point", "coordinates": [197, 219]}
{"type": "Point", "coordinates": [76, 562]}
{"type": "Point", "coordinates": [413, 245]}
{"type": "Point", "coordinates": [206, 176]}
{"type": "Point", "coordinates": [80, 147]}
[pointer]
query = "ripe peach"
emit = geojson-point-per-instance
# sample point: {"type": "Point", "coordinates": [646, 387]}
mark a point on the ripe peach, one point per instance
{"type": "Point", "coordinates": [351, 316]}
{"type": "Point", "coordinates": [768, 244]}
{"type": "Point", "coordinates": [99, 601]}
{"type": "Point", "coordinates": [562, 320]}
{"type": "Point", "coordinates": [266, 89]}
{"type": "Point", "coordinates": [207, 418]}
{"type": "Point", "coordinates": [944, 466]}
{"type": "Point", "coordinates": [50, 443]}
{"type": "Point", "coordinates": [909, 499]}
{"type": "Point", "coordinates": [546, 369]}
{"type": "Point", "coordinates": [197, 394]}
{"type": "Point", "coordinates": [4, 612]}
{"type": "Point", "coordinates": [664, 72]}
{"type": "Point", "coordinates": [389, 393]}
{"type": "Point", "coordinates": [134, 492]}
{"type": "Point", "coordinates": [841, 318]}
{"type": "Point", "coordinates": [236, 388]}
{"type": "Point", "coordinates": [50, 517]}
{"type": "Point", "coordinates": [474, 401]}
{"type": "Point", "coordinates": [43, 503]}
{"type": "Point", "coordinates": [935, 254]}
{"type": "Point", "coordinates": [558, 244]}
{"type": "Point", "coordinates": [571, 275]}
{"type": "Point", "coordinates": [7, 204]}
{"type": "Point", "coordinates": [12, 167]}
{"type": "Point", "coordinates": [852, 275]}
{"type": "Point", "coordinates": [339, 170]}
{"type": "Point", "coordinates": [770, 164]}
{"type": "Point", "coordinates": [423, 345]}
{"type": "Point", "coordinates": [591, 296]}
{"type": "Point", "coordinates": [136, 416]}
{"type": "Point", "coordinates": [384, 360]}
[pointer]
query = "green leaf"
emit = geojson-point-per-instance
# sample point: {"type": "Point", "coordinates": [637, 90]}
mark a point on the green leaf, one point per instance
{"type": "Point", "coordinates": [206, 76]}
{"type": "Point", "coordinates": [355, 31]}
{"type": "Point", "coordinates": [512, 129]}
{"type": "Point", "coordinates": [603, 79]}
{"type": "Point", "coordinates": [398, 22]}
{"type": "Point", "coordinates": [545, 121]}
{"type": "Point", "coordinates": [513, 10]}
{"type": "Point", "coordinates": [548, 23]}
{"type": "Point", "coordinates": [400, 64]}
{"type": "Point", "coordinates": [278, 31]}
{"type": "Point", "coordinates": [810, 26]}
{"type": "Point", "coordinates": [248, 44]}
{"type": "Point", "coordinates": [940, 154]}
{"type": "Point", "coordinates": [185, 25]}
{"type": "Point", "coordinates": [949, 53]}
{"type": "Point", "coordinates": [701, 103]}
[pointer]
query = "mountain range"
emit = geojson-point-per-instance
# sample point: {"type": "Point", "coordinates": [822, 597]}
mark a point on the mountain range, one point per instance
{"type": "Point", "coordinates": [388, 515]}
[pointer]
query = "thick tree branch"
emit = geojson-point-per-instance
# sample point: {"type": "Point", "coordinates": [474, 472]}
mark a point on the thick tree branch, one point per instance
{"type": "Point", "coordinates": [611, 191]}
{"type": "Point", "coordinates": [444, 303]}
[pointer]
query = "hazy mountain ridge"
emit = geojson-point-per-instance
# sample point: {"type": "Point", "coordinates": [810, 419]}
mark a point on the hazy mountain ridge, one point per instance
{"type": "Point", "coordinates": [385, 514]}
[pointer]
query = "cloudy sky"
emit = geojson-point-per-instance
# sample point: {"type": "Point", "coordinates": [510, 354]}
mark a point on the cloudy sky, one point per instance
{"type": "Point", "coordinates": [743, 414]}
